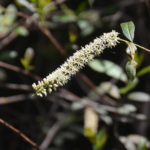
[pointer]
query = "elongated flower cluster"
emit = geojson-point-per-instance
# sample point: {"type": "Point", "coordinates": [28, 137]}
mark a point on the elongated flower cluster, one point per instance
{"type": "Point", "coordinates": [74, 63]}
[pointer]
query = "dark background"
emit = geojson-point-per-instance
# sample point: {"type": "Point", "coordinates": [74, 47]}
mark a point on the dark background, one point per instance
{"type": "Point", "coordinates": [35, 116]}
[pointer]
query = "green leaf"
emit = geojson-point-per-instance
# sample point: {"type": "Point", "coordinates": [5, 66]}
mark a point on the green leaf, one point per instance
{"type": "Point", "coordinates": [143, 71]}
{"type": "Point", "coordinates": [139, 96]}
{"type": "Point", "coordinates": [73, 36]}
{"type": "Point", "coordinates": [131, 70]}
{"type": "Point", "coordinates": [131, 85]}
{"type": "Point", "coordinates": [43, 3]}
{"type": "Point", "coordinates": [21, 31]}
{"type": "Point", "coordinates": [142, 145]}
{"type": "Point", "coordinates": [128, 29]}
{"type": "Point", "coordinates": [8, 55]}
{"type": "Point", "coordinates": [126, 109]}
{"type": "Point", "coordinates": [90, 135]}
{"type": "Point", "coordinates": [106, 119]}
{"type": "Point", "coordinates": [81, 7]}
{"type": "Point", "coordinates": [10, 17]}
{"type": "Point", "coordinates": [87, 31]}
{"type": "Point", "coordinates": [7, 19]}
{"type": "Point", "coordinates": [26, 60]}
{"type": "Point", "coordinates": [26, 4]}
{"type": "Point", "coordinates": [26, 64]}
{"type": "Point", "coordinates": [101, 139]}
{"type": "Point", "coordinates": [139, 57]}
{"type": "Point", "coordinates": [109, 68]}
{"type": "Point", "coordinates": [91, 2]}
{"type": "Point", "coordinates": [111, 89]}
{"type": "Point", "coordinates": [69, 15]}
{"type": "Point", "coordinates": [65, 18]}
{"type": "Point", "coordinates": [76, 106]}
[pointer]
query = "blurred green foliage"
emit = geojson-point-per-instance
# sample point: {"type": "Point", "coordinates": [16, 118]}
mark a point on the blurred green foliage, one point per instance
{"type": "Point", "coordinates": [119, 79]}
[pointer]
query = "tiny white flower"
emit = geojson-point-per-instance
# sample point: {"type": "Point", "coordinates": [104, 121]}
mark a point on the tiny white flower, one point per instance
{"type": "Point", "coordinates": [74, 63]}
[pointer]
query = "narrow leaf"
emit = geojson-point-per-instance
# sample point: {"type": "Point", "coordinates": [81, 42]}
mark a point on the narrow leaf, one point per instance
{"type": "Point", "coordinates": [101, 139]}
{"type": "Point", "coordinates": [131, 85]}
{"type": "Point", "coordinates": [143, 71]}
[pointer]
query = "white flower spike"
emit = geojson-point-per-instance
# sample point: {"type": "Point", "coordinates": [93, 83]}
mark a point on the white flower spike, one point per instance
{"type": "Point", "coordinates": [74, 63]}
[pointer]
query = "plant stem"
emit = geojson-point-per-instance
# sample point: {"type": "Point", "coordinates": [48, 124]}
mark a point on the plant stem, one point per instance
{"type": "Point", "coordinates": [125, 41]}
{"type": "Point", "coordinates": [18, 132]}
{"type": "Point", "coordinates": [141, 47]}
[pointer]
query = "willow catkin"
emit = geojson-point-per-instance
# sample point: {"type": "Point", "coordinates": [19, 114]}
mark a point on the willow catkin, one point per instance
{"type": "Point", "coordinates": [74, 63]}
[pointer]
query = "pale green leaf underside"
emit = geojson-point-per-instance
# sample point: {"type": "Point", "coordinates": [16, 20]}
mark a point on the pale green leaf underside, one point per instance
{"type": "Point", "coordinates": [139, 96]}
{"type": "Point", "coordinates": [109, 68]}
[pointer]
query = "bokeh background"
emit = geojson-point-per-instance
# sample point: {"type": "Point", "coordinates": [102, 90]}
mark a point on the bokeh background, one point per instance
{"type": "Point", "coordinates": [96, 109]}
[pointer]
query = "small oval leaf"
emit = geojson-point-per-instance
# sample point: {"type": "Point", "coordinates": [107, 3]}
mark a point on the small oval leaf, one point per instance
{"type": "Point", "coordinates": [111, 89]}
{"type": "Point", "coordinates": [109, 68]}
{"type": "Point", "coordinates": [126, 109]}
{"type": "Point", "coordinates": [128, 29]}
{"type": "Point", "coordinates": [139, 97]}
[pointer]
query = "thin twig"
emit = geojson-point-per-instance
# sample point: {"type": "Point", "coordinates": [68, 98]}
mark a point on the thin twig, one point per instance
{"type": "Point", "coordinates": [19, 133]}
{"type": "Point", "coordinates": [72, 97]}
{"type": "Point", "coordinates": [52, 39]}
{"type": "Point", "coordinates": [16, 98]}
{"type": "Point", "coordinates": [141, 47]}
{"type": "Point", "coordinates": [91, 104]}
{"type": "Point", "coordinates": [12, 35]}
{"type": "Point", "coordinates": [19, 70]}
{"type": "Point", "coordinates": [13, 86]}
{"type": "Point", "coordinates": [92, 86]}
{"type": "Point", "coordinates": [7, 40]}
{"type": "Point", "coordinates": [50, 135]}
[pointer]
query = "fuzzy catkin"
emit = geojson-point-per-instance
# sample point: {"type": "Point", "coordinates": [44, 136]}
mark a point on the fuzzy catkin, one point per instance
{"type": "Point", "coordinates": [74, 63]}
